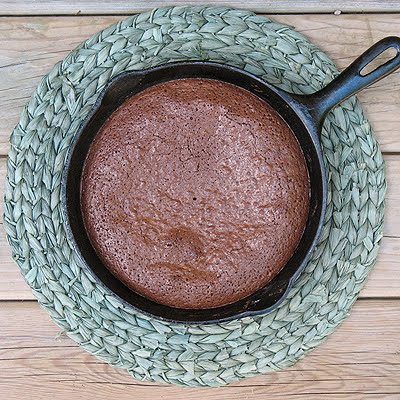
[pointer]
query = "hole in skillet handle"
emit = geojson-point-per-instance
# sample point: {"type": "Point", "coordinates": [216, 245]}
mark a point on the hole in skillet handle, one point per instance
{"type": "Point", "coordinates": [386, 56]}
{"type": "Point", "coordinates": [389, 45]}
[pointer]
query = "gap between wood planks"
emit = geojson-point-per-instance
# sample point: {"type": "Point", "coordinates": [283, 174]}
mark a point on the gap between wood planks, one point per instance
{"type": "Point", "coordinates": [126, 7]}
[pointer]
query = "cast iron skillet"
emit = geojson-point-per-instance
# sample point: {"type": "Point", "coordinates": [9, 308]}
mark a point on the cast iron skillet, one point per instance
{"type": "Point", "coordinates": [304, 114]}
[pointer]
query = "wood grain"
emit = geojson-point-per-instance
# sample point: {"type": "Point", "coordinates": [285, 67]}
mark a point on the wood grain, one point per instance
{"type": "Point", "coordinates": [31, 46]}
{"type": "Point", "coordinates": [392, 211]}
{"type": "Point", "coordinates": [384, 280]}
{"type": "Point", "coordinates": [74, 7]}
{"type": "Point", "coordinates": [359, 361]}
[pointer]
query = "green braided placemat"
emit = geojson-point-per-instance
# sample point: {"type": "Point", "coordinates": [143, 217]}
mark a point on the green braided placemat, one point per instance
{"type": "Point", "coordinates": [93, 317]}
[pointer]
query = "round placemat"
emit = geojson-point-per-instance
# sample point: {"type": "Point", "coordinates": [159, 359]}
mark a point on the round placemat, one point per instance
{"type": "Point", "coordinates": [208, 355]}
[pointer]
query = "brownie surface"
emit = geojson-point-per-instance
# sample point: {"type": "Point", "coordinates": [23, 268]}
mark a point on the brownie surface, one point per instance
{"type": "Point", "coordinates": [195, 193]}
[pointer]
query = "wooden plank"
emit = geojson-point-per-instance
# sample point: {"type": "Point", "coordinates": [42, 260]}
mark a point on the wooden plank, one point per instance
{"type": "Point", "coordinates": [392, 205]}
{"type": "Point", "coordinates": [31, 46]}
{"type": "Point", "coordinates": [384, 280]}
{"type": "Point", "coordinates": [29, 49]}
{"type": "Point", "coordinates": [359, 361]}
{"type": "Point", "coordinates": [74, 7]}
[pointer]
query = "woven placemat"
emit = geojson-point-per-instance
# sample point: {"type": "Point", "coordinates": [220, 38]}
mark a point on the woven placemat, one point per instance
{"type": "Point", "coordinates": [93, 317]}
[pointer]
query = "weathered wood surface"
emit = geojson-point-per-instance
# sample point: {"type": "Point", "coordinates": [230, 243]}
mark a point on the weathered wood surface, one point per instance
{"type": "Point", "coordinates": [359, 361]}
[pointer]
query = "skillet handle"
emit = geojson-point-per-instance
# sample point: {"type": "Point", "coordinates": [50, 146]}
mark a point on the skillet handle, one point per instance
{"type": "Point", "coordinates": [351, 81]}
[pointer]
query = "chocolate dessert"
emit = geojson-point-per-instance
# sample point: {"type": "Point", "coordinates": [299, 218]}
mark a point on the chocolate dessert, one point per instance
{"type": "Point", "coordinates": [195, 193]}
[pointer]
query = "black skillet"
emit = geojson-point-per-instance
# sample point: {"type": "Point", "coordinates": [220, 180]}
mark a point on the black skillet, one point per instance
{"type": "Point", "coordinates": [304, 114]}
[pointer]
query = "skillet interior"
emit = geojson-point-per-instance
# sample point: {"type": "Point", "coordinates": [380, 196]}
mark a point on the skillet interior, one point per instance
{"type": "Point", "coordinates": [292, 112]}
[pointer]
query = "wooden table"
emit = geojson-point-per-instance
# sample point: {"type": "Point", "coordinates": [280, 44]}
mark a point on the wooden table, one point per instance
{"type": "Point", "coordinates": [361, 360]}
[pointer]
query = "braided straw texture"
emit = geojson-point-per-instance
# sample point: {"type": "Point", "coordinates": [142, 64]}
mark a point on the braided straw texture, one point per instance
{"type": "Point", "coordinates": [200, 355]}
